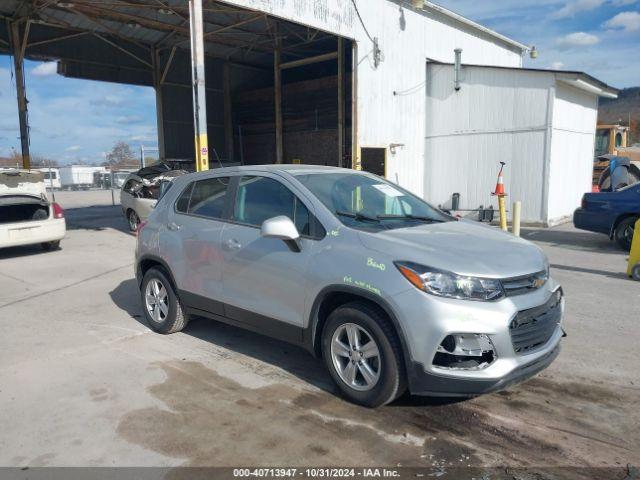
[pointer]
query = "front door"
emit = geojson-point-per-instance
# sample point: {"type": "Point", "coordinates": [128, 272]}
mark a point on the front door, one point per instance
{"type": "Point", "coordinates": [264, 281]}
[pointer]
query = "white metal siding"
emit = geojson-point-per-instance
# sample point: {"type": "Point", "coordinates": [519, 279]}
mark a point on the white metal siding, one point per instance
{"type": "Point", "coordinates": [407, 38]}
{"type": "Point", "coordinates": [572, 147]}
{"type": "Point", "coordinates": [498, 115]}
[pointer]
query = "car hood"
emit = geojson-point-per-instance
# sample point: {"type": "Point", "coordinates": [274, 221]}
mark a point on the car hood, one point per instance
{"type": "Point", "coordinates": [462, 247]}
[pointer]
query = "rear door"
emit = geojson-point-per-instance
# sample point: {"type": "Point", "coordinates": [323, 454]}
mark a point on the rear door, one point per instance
{"type": "Point", "coordinates": [264, 282]}
{"type": "Point", "coordinates": [191, 243]}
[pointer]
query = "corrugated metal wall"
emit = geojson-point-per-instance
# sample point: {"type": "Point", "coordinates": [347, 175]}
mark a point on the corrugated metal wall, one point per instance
{"type": "Point", "coordinates": [575, 114]}
{"type": "Point", "coordinates": [498, 115]}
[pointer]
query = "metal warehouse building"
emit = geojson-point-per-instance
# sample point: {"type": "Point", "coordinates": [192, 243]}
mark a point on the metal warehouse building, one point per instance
{"type": "Point", "coordinates": [362, 84]}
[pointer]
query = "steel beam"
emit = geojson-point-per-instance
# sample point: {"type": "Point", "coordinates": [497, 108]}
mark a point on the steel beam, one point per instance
{"type": "Point", "coordinates": [340, 101]}
{"type": "Point", "coordinates": [228, 113]}
{"type": "Point", "coordinates": [17, 49]}
{"type": "Point", "coordinates": [157, 85]}
{"type": "Point", "coordinates": [309, 60]}
{"type": "Point", "coordinates": [277, 70]}
{"type": "Point", "coordinates": [199, 92]}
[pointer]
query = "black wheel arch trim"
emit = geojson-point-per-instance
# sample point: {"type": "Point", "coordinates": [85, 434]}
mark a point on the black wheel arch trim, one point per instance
{"type": "Point", "coordinates": [158, 260]}
{"type": "Point", "coordinates": [310, 332]}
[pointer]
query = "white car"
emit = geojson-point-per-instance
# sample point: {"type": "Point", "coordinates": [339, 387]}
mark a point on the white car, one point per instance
{"type": "Point", "coordinates": [141, 190]}
{"type": "Point", "coordinates": [27, 217]}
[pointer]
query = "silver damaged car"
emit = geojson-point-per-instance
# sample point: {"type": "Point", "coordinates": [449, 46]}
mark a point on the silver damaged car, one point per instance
{"type": "Point", "coordinates": [392, 293]}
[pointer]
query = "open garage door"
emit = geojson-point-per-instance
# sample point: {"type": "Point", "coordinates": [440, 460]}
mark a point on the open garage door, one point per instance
{"type": "Point", "coordinates": [276, 91]}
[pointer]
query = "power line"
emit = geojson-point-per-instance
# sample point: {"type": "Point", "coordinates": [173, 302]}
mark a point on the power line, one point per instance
{"type": "Point", "coordinates": [355, 6]}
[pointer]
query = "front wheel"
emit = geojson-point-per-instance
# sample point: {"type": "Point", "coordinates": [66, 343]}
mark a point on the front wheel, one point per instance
{"type": "Point", "coordinates": [363, 355]}
{"type": "Point", "coordinates": [162, 307]}
{"type": "Point", "coordinates": [48, 246]}
{"type": "Point", "coordinates": [624, 233]}
{"type": "Point", "coordinates": [133, 220]}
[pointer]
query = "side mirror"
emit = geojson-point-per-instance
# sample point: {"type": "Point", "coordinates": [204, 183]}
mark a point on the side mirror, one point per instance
{"type": "Point", "coordinates": [281, 228]}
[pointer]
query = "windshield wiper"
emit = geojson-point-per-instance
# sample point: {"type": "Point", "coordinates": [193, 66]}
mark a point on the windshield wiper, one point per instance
{"type": "Point", "coordinates": [357, 216]}
{"type": "Point", "coordinates": [410, 217]}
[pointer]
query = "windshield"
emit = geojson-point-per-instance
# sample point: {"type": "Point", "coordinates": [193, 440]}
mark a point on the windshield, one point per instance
{"type": "Point", "coordinates": [363, 200]}
{"type": "Point", "coordinates": [602, 142]}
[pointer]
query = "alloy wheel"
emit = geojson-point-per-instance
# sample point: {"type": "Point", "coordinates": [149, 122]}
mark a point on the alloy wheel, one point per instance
{"type": "Point", "coordinates": [356, 357]}
{"type": "Point", "coordinates": [156, 300]}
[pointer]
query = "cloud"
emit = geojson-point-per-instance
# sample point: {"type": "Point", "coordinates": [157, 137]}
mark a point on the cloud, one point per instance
{"type": "Point", "coordinates": [622, 3]}
{"type": "Point", "coordinates": [108, 101]}
{"type": "Point", "coordinates": [45, 69]}
{"type": "Point", "coordinates": [572, 8]}
{"type": "Point", "coordinates": [72, 148]}
{"type": "Point", "coordinates": [628, 21]}
{"type": "Point", "coordinates": [128, 119]}
{"type": "Point", "coordinates": [557, 66]}
{"type": "Point", "coordinates": [576, 40]}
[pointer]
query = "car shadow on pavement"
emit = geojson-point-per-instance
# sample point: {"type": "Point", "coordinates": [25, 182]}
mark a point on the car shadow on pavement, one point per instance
{"type": "Point", "coordinates": [290, 358]}
{"type": "Point", "coordinates": [615, 275]}
{"type": "Point", "coordinates": [572, 239]}
{"type": "Point", "coordinates": [25, 251]}
{"type": "Point", "coordinates": [100, 217]}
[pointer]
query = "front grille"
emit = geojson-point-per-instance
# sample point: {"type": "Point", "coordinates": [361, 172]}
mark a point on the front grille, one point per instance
{"type": "Point", "coordinates": [533, 328]}
{"type": "Point", "coordinates": [525, 284]}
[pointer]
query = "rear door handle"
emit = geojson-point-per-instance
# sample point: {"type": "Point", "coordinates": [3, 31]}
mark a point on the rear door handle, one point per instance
{"type": "Point", "coordinates": [233, 244]}
{"type": "Point", "coordinates": [173, 226]}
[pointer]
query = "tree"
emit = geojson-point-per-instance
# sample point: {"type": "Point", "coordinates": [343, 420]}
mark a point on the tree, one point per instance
{"type": "Point", "coordinates": [121, 154]}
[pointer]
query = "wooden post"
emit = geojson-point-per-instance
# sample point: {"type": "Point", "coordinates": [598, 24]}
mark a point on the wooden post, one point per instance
{"type": "Point", "coordinates": [340, 101]}
{"type": "Point", "coordinates": [278, 96]}
{"type": "Point", "coordinates": [18, 46]}
{"type": "Point", "coordinates": [228, 114]}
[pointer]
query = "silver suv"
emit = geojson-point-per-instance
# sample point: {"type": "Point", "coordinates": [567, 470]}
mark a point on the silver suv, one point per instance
{"type": "Point", "coordinates": [389, 291]}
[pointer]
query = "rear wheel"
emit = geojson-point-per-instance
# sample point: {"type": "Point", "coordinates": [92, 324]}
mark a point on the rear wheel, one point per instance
{"type": "Point", "coordinates": [133, 220]}
{"type": "Point", "coordinates": [635, 273]}
{"type": "Point", "coordinates": [47, 246]}
{"type": "Point", "coordinates": [363, 355]}
{"type": "Point", "coordinates": [162, 307]}
{"type": "Point", "coordinates": [623, 234]}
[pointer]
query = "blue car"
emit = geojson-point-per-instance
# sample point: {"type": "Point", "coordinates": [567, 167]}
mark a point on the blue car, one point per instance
{"type": "Point", "coordinates": [611, 213]}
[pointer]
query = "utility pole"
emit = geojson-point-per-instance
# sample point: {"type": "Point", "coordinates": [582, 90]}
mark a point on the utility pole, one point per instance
{"type": "Point", "coordinates": [198, 87]}
{"type": "Point", "coordinates": [18, 46]}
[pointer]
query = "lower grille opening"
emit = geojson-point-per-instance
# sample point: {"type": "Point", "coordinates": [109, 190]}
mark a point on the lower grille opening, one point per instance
{"type": "Point", "coordinates": [469, 351]}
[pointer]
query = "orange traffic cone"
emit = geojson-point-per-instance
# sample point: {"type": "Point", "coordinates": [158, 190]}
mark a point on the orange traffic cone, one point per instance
{"type": "Point", "coordinates": [500, 185]}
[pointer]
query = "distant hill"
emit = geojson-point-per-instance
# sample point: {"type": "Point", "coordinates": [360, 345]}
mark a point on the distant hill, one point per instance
{"type": "Point", "coordinates": [618, 110]}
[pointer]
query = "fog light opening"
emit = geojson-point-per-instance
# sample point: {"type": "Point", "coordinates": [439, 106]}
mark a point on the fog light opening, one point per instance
{"type": "Point", "coordinates": [465, 352]}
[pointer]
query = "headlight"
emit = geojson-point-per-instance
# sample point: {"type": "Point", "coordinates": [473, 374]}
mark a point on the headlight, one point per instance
{"type": "Point", "coordinates": [450, 285]}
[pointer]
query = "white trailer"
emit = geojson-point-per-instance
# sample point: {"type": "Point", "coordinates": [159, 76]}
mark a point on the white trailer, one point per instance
{"type": "Point", "coordinates": [51, 178]}
{"type": "Point", "coordinates": [78, 177]}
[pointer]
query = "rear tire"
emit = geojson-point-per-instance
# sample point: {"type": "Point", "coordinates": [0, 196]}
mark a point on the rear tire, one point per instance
{"type": "Point", "coordinates": [48, 246]}
{"type": "Point", "coordinates": [623, 234]}
{"type": "Point", "coordinates": [635, 272]}
{"type": "Point", "coordinates": [133, 220]}
{"type": "Point", "coordinates": [162, 307]}
{"type": "Point", "coordinates": [371, 374]}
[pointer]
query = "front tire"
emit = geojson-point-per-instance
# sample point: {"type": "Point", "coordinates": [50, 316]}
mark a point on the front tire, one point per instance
{"type": "Point", "coordinates": [623, 234]}
{"type": "Point", "coordinates": [48, 246]}
{"type": "Point", "coordinates": [133, 220]}
{"type": "Point", "coordinates": [162, 307]}
{"type": "Point", "coordinates": [362, 353]}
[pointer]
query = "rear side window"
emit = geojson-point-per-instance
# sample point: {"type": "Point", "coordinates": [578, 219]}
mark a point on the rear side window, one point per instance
{"type": "Point", "coordinates": [182, 205]}
{"type": "Point", "coordinates": [261, 198]}
{"type": "Point", "coordinates": [209, 197]}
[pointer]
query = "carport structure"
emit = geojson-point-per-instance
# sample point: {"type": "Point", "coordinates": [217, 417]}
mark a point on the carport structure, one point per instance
{"type": "Point", "coordinates": [271, 85]}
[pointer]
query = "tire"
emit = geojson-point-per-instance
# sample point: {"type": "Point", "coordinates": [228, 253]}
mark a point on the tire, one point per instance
{"type": "Point", "coordinates": [635, 272]}
{"type": "Point", "coordinates": [48, 246]}
{"type": "Point", "coordinates": [133, 220]}
{"type": "Point", "coordinates": [386, 373]}
{"type": "Point", "coordinates": [40, 214]}
{"type": "Point", "coordinates": [623, 234]}
{"type": "Point", "coordinates": [170, 319]}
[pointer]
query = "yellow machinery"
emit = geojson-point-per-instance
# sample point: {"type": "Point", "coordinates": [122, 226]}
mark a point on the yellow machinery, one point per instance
{"type": "Point", "coordinates": [633, 270]}
{"type": "Point", "coordinates": [613, 140]}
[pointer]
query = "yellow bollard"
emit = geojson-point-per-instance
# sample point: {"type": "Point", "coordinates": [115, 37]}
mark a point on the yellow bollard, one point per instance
{"type": "Point", "coordinates": [503, 212]}
{"type": "Point", "coordinates": [515, 220]}
{"type": "Point", "coordinates": [633, 270]}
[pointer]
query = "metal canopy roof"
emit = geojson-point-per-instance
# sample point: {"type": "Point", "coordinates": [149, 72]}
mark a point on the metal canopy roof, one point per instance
{"type": "Point", "coordinates": [232, 33]}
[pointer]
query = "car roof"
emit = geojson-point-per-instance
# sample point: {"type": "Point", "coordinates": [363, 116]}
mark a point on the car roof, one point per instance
{"type": "Point", "coordinates": [287, 168]}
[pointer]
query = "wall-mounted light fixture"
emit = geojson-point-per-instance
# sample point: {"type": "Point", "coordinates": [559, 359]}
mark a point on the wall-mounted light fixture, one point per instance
{"type": "Point", "coordinates": [533, 53]}
{"type": "Point", "coordinates": [394, 146]}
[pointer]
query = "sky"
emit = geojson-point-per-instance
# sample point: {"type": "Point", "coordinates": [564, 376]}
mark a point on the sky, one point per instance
{"type": "Point", "coordinates": [79, 120]}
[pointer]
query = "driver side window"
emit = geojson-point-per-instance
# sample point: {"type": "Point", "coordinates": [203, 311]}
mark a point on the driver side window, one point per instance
{"type": "Point", "coordinates": [261, 198]}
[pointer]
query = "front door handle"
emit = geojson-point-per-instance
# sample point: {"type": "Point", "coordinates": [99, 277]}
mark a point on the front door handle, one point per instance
{"type": "Point", "coordinates": [173, 226]}
{"type": "Point", "coordinates": [233, 244]}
